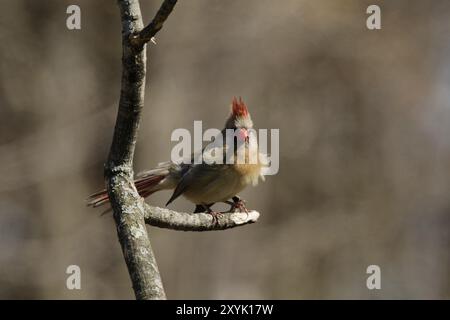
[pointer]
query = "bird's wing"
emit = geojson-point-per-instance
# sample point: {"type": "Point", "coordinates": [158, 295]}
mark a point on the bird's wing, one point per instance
{"type": "Point", "coordinates": [181, 187]}
{"type": "Point", "coordinates": [188, 173]}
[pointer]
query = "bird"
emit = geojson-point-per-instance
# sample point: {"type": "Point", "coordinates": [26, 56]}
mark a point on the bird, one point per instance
{"type": "Point", "coordinates": [208, 182]}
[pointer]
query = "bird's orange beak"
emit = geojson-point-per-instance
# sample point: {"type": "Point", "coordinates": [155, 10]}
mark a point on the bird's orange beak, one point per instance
{"type": "Point", "coordinates": [242, 134]}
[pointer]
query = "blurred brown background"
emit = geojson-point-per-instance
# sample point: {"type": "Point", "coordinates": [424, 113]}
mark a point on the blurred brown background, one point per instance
{"type": "Point", "coordinates": [364, 119]}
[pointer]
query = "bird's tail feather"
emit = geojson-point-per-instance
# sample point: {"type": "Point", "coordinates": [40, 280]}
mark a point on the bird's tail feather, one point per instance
{"type": "Point", "coordinates": [146, 183]}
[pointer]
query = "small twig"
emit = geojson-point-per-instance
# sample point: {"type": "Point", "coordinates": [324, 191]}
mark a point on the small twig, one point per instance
{"type": "Point", "coordinates": [138, 40]}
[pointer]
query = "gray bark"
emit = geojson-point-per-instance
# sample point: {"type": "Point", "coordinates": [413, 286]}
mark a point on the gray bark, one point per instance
{"type": "Point", "coordinates": [128, 210]}
{"type": "Point", "coordinates": [165, 218]}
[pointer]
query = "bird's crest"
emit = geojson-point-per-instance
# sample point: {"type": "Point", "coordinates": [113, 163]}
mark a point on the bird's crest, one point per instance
{"type": "Point", "coordinates": [238, 108]}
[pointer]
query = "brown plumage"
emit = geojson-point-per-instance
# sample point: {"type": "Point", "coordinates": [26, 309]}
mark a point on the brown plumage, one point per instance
{"type": "Point", "coordinates": [205, 184]}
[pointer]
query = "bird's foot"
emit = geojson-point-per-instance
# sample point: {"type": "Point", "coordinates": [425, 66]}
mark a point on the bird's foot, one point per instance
{"type": "Point", "coordinates": [215, 215]}
{"type": "Point", "coordinates": [207, 208]}
{"type": "Point", "coordinates": [238, 205]}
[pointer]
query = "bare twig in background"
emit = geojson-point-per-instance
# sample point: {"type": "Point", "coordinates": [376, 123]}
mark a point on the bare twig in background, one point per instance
{"type": "Point", "coordinates": [130, 212]}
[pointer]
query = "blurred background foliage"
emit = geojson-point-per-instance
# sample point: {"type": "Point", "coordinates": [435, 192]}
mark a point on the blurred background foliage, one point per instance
{"type": "Point", "coordinates": [364, 119]}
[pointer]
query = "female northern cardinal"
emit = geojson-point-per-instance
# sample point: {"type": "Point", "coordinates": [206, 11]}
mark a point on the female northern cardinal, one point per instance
{"type": "Point", "coordinates": [206, 183]}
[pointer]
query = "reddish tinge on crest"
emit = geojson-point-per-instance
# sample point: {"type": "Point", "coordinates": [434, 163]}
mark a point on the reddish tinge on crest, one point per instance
{"type": "Point", "coordinates": [238, 108]}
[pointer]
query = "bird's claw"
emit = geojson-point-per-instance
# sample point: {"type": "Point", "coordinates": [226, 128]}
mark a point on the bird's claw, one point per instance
{"type": "Point", "coordinates": [215, 216]}
{"type": "Point", "coordinates": [238, 204]}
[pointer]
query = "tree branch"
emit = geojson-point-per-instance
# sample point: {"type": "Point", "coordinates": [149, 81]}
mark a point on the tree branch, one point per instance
{"type": "Point", "coordinates": [131, 213]}
{"type": "Point", "coordinates": [165, 218]}
{"type": "Point", "coordinates": [128, 210]}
